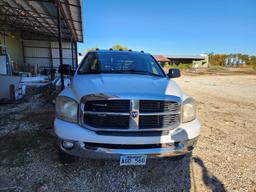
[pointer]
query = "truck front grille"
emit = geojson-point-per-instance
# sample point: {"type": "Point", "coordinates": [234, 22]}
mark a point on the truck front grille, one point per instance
{"type": "Point", "coordinates": [158, 106]}
{"type": "Point", "coordinates": [108, 105]}
{"type": "Point", "coordinates": [159, 121]}
{"type": "Point", "coordinates": [120, 146]}
{"type": "Point", "coordinates": [107, 121]}
{"type": "Point", "coordinates": [130, 115]}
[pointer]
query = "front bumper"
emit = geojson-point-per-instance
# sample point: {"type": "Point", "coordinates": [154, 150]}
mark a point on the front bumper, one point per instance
{"type": "Point", "coordinates": [173, 149]}
{"type": "Point", "coordinates": [179, 141]}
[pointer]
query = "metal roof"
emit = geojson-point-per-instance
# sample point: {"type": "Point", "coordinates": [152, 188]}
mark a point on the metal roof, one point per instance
{"type": "Point", "coordinates": [40, 17]}
{"type": "Point", "coordinates": [185, 56]}
{"type": "Point", "coordinates": [161, 58]}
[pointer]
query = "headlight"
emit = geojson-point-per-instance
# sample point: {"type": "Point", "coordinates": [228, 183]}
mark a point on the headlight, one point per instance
{"type": "Point", "coordinates": [66, 109]}
{"type": "Point", "coordinates": [188, 110]}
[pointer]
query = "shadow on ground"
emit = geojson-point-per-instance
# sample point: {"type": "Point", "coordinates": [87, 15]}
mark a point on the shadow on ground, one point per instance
{"type": "Point", "coordinates": [210, 181]}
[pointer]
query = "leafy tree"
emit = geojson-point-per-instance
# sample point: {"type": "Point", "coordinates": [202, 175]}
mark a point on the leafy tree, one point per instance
{"type": "Point", "coordinates": [217, 59]}
{"type": "Point", "coordinates": [114, 47]}
{"type": "Point", "coordinates": [118, 46]}
{"type": "Point", "coordinates": [91, 49]}
{"type": "Point", "coordinates": [252, 62]}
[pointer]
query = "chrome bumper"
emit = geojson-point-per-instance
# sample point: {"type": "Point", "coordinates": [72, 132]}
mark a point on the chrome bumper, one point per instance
{"type": "Point", "coordinates": [179, 148]}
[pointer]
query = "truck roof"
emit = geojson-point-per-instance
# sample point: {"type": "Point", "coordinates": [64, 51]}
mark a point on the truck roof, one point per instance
{"type": "Point", "coordinates": [117, 51]}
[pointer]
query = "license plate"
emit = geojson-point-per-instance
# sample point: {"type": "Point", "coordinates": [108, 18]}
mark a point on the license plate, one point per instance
{"type": "Point", "coordinates": [133, 160]}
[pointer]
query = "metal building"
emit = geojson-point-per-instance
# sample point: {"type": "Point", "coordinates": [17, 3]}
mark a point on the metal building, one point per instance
{"type": "Point", "coordinates": [39, 32]}
{"type": "Point", "coordinates": [197, 61]}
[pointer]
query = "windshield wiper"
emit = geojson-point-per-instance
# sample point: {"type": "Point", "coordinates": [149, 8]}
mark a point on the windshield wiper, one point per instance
{"type": "Point", "coordinates": [152, 74]}
{"type": "Point", "coordinates": [144, 72]}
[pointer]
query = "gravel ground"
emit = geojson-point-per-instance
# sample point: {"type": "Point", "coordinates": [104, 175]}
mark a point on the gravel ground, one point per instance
{"type": "Point", "coordinates": [224, 158]}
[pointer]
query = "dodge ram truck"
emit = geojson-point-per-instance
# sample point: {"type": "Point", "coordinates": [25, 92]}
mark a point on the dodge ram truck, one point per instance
{"type": "Point", "coordinates": [122, 105]}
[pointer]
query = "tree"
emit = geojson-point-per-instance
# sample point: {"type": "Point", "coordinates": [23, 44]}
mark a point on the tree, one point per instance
{"type": "Point", "coordinates": [217, 59]}
{"type": "Point", "coordinates": [252, 62]}
{"type": "Point", "coordinates": [114, 47]}
{"type": "Point", "coordinates": [118, 46]}
{"type": "Point", "coordinates": [91, 49]}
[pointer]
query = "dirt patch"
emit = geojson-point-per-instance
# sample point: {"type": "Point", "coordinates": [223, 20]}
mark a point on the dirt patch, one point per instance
{"type": "Point", "coordinates": [32, 113]}
{"type": "Point", "coordinates": [227, 111]}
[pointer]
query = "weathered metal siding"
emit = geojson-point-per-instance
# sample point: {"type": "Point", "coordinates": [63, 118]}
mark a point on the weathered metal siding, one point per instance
{"type": "Point", "coordinates": [37, 52]}
{"type": "Point", "coordinates": [46, 53]}
{"type": "Point", "coordinates": [66, 51]}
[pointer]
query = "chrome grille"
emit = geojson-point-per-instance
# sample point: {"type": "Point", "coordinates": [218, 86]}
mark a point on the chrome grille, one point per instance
{"type": "Point", "coordinates": [108, 106]}
{"type": "Point", "coordinates": [158, 106]}
{"type": "Point", "coordinates": [108, 121]}
{"type": "Point", "coordinates": [130, 115]}
{"type": "Point", "coordinates": [159, 121]}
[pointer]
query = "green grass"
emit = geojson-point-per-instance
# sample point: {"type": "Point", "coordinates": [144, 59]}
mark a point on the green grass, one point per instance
{"type": "Point", "coordinates": [182, 66]}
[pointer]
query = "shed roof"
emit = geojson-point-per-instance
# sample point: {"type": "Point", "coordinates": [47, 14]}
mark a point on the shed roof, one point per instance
{"type": "Point", "coordinates": [40, 17]}
{"type": "Point", "coordinates": [161, 58]}
{"type": "Point", "coordinates": [185, 56]}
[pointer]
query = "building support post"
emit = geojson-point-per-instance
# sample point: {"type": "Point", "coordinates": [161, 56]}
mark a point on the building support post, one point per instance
{"type": "Point", "coordinates": [76, 61]}
{"type": "Point", "coordinates": [72, 53]}
{"type": "Point", "coordinates": [60, 45]}
{"type": "Point", "coordinates": [4, 38]}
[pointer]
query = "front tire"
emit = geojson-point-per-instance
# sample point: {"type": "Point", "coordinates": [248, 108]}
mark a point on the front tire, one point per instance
{"type": "Point", "coordinates": [65, 158]}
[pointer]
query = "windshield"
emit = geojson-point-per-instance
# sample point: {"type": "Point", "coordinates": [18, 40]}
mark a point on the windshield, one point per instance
{"type": "Point", "coordinates": [120, 62]}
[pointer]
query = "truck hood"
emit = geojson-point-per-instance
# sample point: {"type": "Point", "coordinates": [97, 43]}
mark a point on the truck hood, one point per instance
{"type": "Point", "coordinates": [130, 86]}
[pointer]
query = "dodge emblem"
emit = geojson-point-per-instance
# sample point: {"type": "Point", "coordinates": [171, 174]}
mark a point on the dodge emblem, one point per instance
{"type": "Point", "coordinates": [134, 114]}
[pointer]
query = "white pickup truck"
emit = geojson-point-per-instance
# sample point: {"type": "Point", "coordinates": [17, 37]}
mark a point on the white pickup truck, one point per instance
{"type": "Point", "coordinates": [122, 105]}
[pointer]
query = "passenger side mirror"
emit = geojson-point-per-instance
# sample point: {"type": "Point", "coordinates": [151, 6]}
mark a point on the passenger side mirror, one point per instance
{"type": "Point", "coordinates": [66, 70]}
{"type": "Point", "coordinates": [174, 73]}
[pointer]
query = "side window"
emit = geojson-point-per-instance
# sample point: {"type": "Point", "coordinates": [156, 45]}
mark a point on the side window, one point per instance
{"type": "Point", "coordinates": [154, 68]}
{"type": "Point", "coordinates": [90, 64]}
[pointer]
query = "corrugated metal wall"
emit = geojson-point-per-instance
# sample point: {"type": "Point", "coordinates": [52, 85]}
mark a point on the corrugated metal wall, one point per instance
{"type": "Point", "coordinates": [46, 53]}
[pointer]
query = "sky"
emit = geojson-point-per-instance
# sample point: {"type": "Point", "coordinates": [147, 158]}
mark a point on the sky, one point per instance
{"type": "Point", "coordinates": [171, 26]}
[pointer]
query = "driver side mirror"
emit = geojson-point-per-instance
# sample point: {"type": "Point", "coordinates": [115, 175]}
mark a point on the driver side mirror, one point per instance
{"type": "Point", "coordinates": [66, 70]}
{"type": "Point", "coordinates": [174, 73]}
